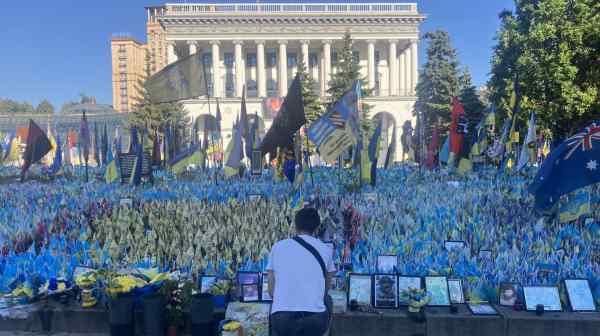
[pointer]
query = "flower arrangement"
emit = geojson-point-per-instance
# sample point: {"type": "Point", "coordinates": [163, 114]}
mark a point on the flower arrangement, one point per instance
{"type": "Point", "coordinates": [416, 298]}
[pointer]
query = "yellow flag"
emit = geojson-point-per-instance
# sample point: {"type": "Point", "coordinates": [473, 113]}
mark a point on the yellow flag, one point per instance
{"type": "Point", "coordinates": [111, 174]}
{"type": "Point", "coordinates": [464, 165]}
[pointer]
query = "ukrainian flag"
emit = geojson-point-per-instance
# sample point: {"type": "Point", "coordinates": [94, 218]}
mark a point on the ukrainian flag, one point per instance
{"type": "Point", "coordinates": [195, 157]}
{"type": "Point", "coordinates": [111, 174]}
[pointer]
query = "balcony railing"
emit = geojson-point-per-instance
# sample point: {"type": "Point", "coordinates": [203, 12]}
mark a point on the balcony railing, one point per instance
{"type": "Point", "coordinates": [274, 8]}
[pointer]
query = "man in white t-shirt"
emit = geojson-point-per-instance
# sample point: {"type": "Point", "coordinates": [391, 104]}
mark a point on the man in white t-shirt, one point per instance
{"type": "Point", "coordinates": [296, 281]}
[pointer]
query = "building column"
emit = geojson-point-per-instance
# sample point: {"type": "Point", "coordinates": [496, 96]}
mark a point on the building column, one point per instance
{"type": "Point", "coordinates": [326, 67]}
{"type": "Point", "coordinates": [171, 54]}
{"type": "Point", "coordinates": [371, 63]}
{"type": "Point", "coordinates": [305, 59]}
{"type": "Point", "coordinates": [407, 70]}
{"type": "Point", "coordinates": [193, 47]}
{"type": "Point", "coordinates": [261, 76]}
{"type": "Point", "coordinates": [239, 68]}
{"type": "Point", "coordinates": [393, 74]}
{"type": "Point", "coordinates": [414, 52]}
{"type": "Point", "coordinates": [402, 73]}
{"type": "Point", "coordinates": [216, 63]}
{"type": "Point", "coordinates": [282, 78]}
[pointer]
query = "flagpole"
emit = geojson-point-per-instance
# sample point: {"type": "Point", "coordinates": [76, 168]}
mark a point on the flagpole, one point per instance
{"type": "Point", "coordinates": [212, 135]}
{"type": "Point", "coordinates": [308, 157]}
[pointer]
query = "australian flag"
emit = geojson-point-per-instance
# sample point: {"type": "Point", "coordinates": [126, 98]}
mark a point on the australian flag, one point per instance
{"type": "Point", "coordinates": [572, 165]}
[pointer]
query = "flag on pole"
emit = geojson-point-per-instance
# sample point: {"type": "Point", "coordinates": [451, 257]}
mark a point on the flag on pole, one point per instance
{"type": "Point", "coordinates": [38, 145]}
{"type": "Point", "coordinates": [6, 145]}
{"type": "Point", "coordinates": [233, 155]}
{"type": "Point", "coordinates": [193, 156]}
{"type": "Point", "coordinates": [136, 173]}
{"type": "Point", "coordinates": [57, 162]}
{"type": "Point", "coordinates": [456, 136]}
{"type": "Point", "coordinates": [104, 146]}
{"type": "Point", "coordinates": [529, 150]}
{"type": "Point", "coordinates": [391, 152]}
{"type": "Point", "coordinates": [245, 128]}
{"type": "Point", "coordinates": [111, 174]}
{"type": "Point", "coordinates": [96, 146]}
{"type": "Point", "coordinates": [289, 120]}
{"type": "Point", "coordinates": [133, 140]}
{"type": "Point", "coordinates": [84, 138]}
{"type": "Point", "coordinates": [572, 165]}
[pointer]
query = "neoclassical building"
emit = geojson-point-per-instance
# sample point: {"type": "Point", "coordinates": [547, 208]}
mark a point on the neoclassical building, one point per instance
{"type": "Point", "coordinates": [262, 45]}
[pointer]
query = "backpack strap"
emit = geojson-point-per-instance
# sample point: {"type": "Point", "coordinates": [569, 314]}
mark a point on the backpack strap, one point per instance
{"type": "Point", "coordinates": [317, 255]}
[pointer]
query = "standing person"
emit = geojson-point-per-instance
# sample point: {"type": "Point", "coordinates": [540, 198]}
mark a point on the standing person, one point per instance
{"type": "Point", "coordinates": [300, 272]}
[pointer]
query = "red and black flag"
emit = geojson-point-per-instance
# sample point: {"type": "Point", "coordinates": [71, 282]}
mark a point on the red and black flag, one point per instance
{"type": "Point", "coordinates": [38, 146]}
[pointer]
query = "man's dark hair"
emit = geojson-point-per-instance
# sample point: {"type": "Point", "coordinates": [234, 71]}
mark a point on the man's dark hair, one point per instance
{"type": "Point", "coordinates": [307, 220]}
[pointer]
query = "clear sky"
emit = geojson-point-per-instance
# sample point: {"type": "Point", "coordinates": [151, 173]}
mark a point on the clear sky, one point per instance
{"type": "Point", "coordinates": [58, 49]}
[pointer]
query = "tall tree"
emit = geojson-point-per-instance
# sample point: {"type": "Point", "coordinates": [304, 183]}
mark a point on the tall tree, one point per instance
{"type": "Point", "coordinates": [11, 106]}
{"type": "Point", "coordinates": [154, 117]}
{"type": "Point", "coordinates": [438, 83]}
{"type": "Point", "coordinates": [313, 108]}
{"type": "Point", "coordinates": [44, 107]}
{"type": "Point", "coordinates": [348, 71]}
{"type": "Point", "coordinates": [470, 99]}
{"type": "Point", "coordinates": [554, 46]}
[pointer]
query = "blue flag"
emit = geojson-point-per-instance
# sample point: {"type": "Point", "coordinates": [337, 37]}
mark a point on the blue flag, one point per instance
{"type": "Point", "coordinates": [57, 163]}
{"type": "Point", "coordinates": [572, 165]}
{"type": "Point", "coordinates": [6, 146]}
{"type": "Point", "coordinates": [373, 144]}
{"type": "Point", "coordinates": [136, 173]}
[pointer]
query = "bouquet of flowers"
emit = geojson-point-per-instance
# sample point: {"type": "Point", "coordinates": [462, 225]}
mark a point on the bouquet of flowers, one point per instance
{"type": "Point", "coordinates": [416, 298]}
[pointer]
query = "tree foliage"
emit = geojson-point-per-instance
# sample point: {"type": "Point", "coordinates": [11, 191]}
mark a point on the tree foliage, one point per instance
{"type": "Point", "coordinates": [348, 71]}
{"type": "Point", "coordinates": [44, 107]}
{"type": "Point", "coordinates": [438, 82]}
{"type": "Point", "coordinates": [469, 97]}
{"type": "Point", "coordinates": [9, 106]}
{"type": "Point", "coordinates": [553, 45]}
{"type": "Point", "coordinates": [313, 108]}
{"type": "Point", "coordinates": [154, 117]}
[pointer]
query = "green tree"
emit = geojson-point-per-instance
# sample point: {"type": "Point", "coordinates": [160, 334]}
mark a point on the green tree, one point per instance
{"type": "Point", "coordinates": [348, 71]}
{"type": "Point", "coordinates": [44, 107]}
{"type": "Point", "coordinates": [553, 46]}
{"type": "Point", "coordinates": [313, 108]}
{"type": "Point", "coordinates": [153, 117]}
{"type": "Point", "coordinates": [470, 99]}
{"type": "Point", "coordinates": [438, 83]}
{"type": "Point", "coordinates": [10, 106]}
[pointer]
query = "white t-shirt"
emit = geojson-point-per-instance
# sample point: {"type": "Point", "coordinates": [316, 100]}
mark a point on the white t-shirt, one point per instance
{"type": "Point", "coordinates": [299, 284]}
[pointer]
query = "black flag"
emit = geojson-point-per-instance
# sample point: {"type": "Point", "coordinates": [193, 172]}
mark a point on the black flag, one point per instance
{"type": "Point", "coordinates": [38, 145]}
{"type": "Point", "coordinates": [289, 120]}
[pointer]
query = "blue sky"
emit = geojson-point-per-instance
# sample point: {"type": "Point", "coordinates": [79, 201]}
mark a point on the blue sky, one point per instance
{"type": "Point", "coordinates": [58, 49]}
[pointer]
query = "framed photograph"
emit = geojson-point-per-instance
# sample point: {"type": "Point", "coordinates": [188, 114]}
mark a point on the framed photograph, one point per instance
{"type": "Point", "coordinates": [338, 283]}
{"type": "Point", "coordinates": [482, 308]}
{"type": "Point", "coordinates": [405, 283]}
{"type": "Point", "coordinates": [359, 288]}
{"type": "Point", "coordinates": [545, 295]}
{"type": "Point", "coordinates": [256, 162]}
{"type": "Point", "coordinates": [454, 245]}
{"type": "Point", "coordinates": [254, 197]}
{"type": "Point", "coordinates": [455, 288]}
{"type": "Point", "coordinates": [206, 282]}
{"type": "Point", "coordinates": [485, 254]}
{"type": "Point", "coordinates": [250, 293]}
{"type": "Point", "coordinates": [580, 295]}
{"type": "Point", "coordinates": [248, 278]}
{"type": "Point", "coordinates": [386, 291]}
{"type": "Point", "coordinates": [437, 288]}
{"type": "Point", "coordinates": [387, 264]}
{"type": "Point", "coordinates": [508, 294]}
{"type": "Point", "coordinates": [264, 291]}
{"type": "Point", "coordinates": [128, 201]}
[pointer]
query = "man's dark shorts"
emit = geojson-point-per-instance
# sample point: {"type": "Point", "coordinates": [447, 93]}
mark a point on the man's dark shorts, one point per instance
{"type": "Point", "coordinates": [298, 324]}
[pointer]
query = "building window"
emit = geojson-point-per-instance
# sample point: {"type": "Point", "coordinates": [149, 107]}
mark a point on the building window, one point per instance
{"type": "Point", "coordinates": [123, 91]}
{"type": "Point", "coordinates": [228, 59]}
{"type": "Point", "coordinates": [292, 60]}
{"type": "Point", "coordinates": [123, 76]}
{"type": "Point", "coordinates": [251, 60]}
{"type": "Point", "coordinates": [313, 60]}
{"type": "Point", "coordinates": [272, 88]}
{"type": "Point", "coordinates": [123, 84]}
{"type": "Point", "coordinates": [271, 59]}
{"type": "Point", "coordinates": [356, 56]}
{"type": "Point", "coordinates": [377, 58]}
{"type": "Point", "coordinates": [334, 58]}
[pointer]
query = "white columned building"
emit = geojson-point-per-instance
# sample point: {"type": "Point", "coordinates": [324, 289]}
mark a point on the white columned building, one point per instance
{"type": "Point", "coordinates": [261, 46]}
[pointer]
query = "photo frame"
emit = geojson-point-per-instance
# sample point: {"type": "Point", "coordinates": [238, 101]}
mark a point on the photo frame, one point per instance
{"type": "Point", "coordinates": [482, 308]}
{"type": "Point", "coordinates": [337, 283]}
{"type": "Point", "coordinates": [128, 201]}
{"type": "Point", "coordinates": [248, 278]}
{"type": "Point", "coordinates": [385, 291]}
{"type": "Point", "coordinates": [437, 289]}
{"type": "Point", "coordinates": [206, 282]}
{"type": "Point", "coordinates": [456, 291]}
{"type": "Point", "coordinates": [264, 289]}
{"type": "Point", "coordinates": [454, 245]}
{"type": "Point", "coordinates": [360, 289]}
{"type": "Point", "coordinates": [387, 264]}
{"type": "Point", "coordinates": [256, 163]}
{"type": "Point", "coordinates": [508, 293]}
{"type": "Point", "coordinates": [485, 254]}
{"type": "Point", "coordinates": [580, 296]}
{"type": "Point", "coordinates": [250, 293]}
{"type": "Point", "coordinates": [545, 295]}
{"type": "Point", "coordinates": [406, 282]}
